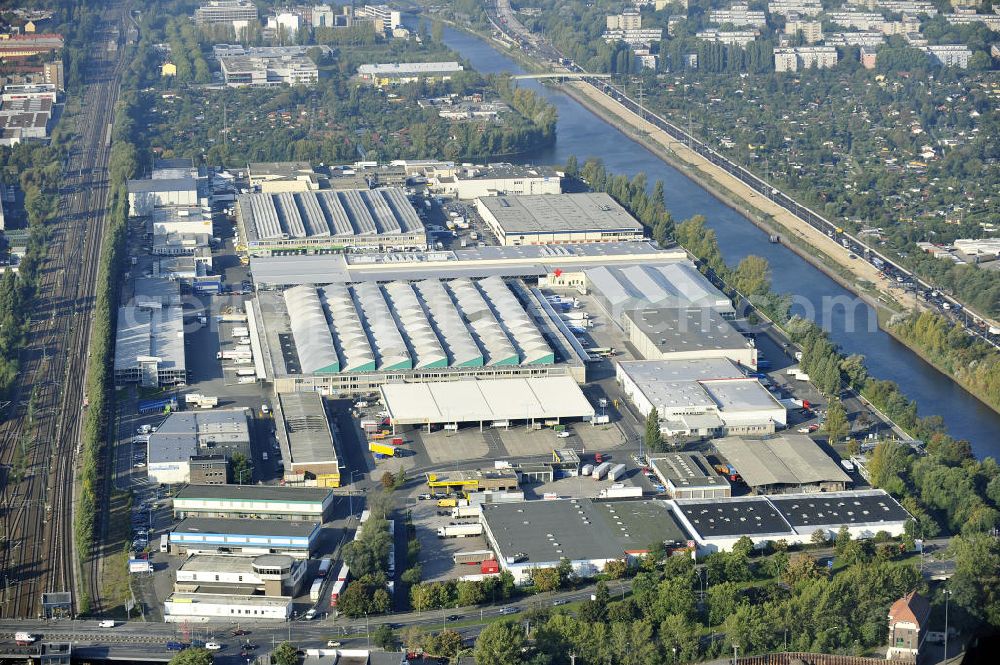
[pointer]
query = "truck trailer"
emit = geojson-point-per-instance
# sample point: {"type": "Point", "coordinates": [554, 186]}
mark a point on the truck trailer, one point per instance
{"type": "Point", "coordinates": [460, 530]}
{"type": "Point", "coordinates": [617, 472]}
{"type": "Point", "coordinates": [601, 470]}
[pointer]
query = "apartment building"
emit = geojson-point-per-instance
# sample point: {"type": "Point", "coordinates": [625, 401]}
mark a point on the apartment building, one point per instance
{"type": "Point", "coordinates": [804, 57]}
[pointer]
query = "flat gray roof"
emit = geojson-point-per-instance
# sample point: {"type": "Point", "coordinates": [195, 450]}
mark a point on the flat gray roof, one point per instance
{"type": "Point", "coordinates": [667, 285]}
{"type": "Point", "coordinates": [218, 563]}
{"type": "Point", "coordinates": [254, 493]}
{"type": "Point", "coordinates": [546, 531]}
{"type": "Point", "coordinates": [211, 525]}
{"type": "Point", "coordinates": [791, 459]}
{"type": "Point", "coordinates": [808, 512]}
{"type": "Point", "coordinates": [741, 395]}
{"type": "Point", "coordinates": [687, 470]}
{"type": "Point", "coordinates": [736, 516]}
{"type": "Point", "coordinates": [162, 185]}
{"type": "Point", "coordinates": [185, 431]}
{"type": "Point", "coordinates": [674, 330]}
{"type": "Point", "coordinates": [551, 213]}
{"type": "Point", "coordinates": [156, 332]}
{"type": "Point", "coordinates": [305, 428]}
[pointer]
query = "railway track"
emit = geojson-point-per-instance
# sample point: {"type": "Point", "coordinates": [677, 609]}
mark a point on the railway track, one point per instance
{"type": "Point", "coordinates": [42, 434]}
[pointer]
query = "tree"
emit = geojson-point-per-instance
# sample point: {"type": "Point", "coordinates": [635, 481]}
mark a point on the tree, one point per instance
{"type": "Point", "coordinates": [384, 638]}
{"type": "Point", "coordinates": [500, 644]}
{"type": "Point", "coordinates": [285, 654]}
{"type": "Point", "coordinates": [193, 657]}
{"type": "Point", "coordinates": [445, 644]}
{"type": "Point", "coordinates": [818, 537]}
{"type": "Point", "coordinates": [572, 166]}
{"type": "Point", "coordinates": [743, 547]}
{"type": "Point", "coordinates": [616, 569]}
{"type": "Point", "coordinates": [752, 276]}
{"type": "Point", "coordinates": [545, 579]}
{"type": "Point", "coordinates": [800, 567]}
{"type": "Point", "coordinates": [836, 425]}
{"type": "Point", "coordinates": [975, 583]}
{"type": "Point", "coordinates": [841, 540]}
{"type": "Point", "coordinates": [388, 481]}
{"type": "Point", "coordinates": [241, 469]}
{"type": "Point", "coordinates": [654, 439]}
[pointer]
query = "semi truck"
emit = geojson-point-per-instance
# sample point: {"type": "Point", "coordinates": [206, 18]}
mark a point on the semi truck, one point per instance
{"type": "Point", "coordinates": [601, 470]}
{"type": "Point", "coordinates": [201, 401]}
{"type": "Point", "coordinates": [241, 331]}
{"type": "Point", "coordinates": [246, 372]}
{"type": "Point", "coordinates": [460, 530]}
{"type": "Point", "coordinates": [233, 354]}
{"type": "Point", "coordinates": [324, 567]}
{"type": "Point", "coordinates": [314, 590]}
{"type": "Point", "coordinates": [617, 472]}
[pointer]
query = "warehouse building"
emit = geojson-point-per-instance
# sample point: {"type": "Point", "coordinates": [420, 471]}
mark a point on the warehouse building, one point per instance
{"type": "Point", "coordinates": [276, 177]}
{"type": "Point", "coordinates": [474, 181]}
{"type": "Point", "coordinates": [561, 266]}
{"type": "Point", "coordinates": [717, 525]}
{"type": "Point", "coordinates": [642, 285]}
{"type": "Point", "coordinates": [253, 502]}
{"type": "Point", "coordinates": [689, 476]}
{"type": "Point", "coordinates": [700, 398]}
{"type": "Point", "coordinates": [476, 480]}
{"type": "Point", "coordinates": [486, 402]}
{"type": "Point", "coordinates": [203, 535]}
{"type": "Point", "coordinates": [554, 219]}
{"type": "Point", "coordinates": [328, 221]}
{"type": "Point", "coordinates": [209, 469]}
{"type": "Point", "coordinates": [181, 220]}
{"type": "Point", "coordinates": [408, 72]}
{"type": "Point", "coordinates": [265, 71]}
{"type": "Point", "coordinates": [539, 534]}
{"type": "Point", "coordinates": [687, 333]}
{"type": "Point", "coordinates": [352, 339]}
{"type": "Point", "coordinates": [265, 574]}
{"type": "Point", "coordinates": [791, 463]}
{"type": "Point", "coordinates": [144, 195]}
{"type": "Point", "coordinates": [308, 446]}
{"type": "Point", "coordinates": [149, 345]}
{"type": "Point", "coordinates": [204, 607]}
{"type": "Point", "coordinates": [187, 434]}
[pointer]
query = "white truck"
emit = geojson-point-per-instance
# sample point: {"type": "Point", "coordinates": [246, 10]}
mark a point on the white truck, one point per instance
{"type": "Point", "coordinates": [246, 372]}
{"type": "Point", "coordinates": [465, 511]}
{"type": "Point", "coordinates": [201, 401]}
{"type": "Point", "coordinates": [241, 331]}
{"type": "Point", "coordinates": [617, 472]}
{"type": "Point", "coordinates": [234, 354]}
{"type": "Point", "coordinates": [620, 491]}
{"type": "Point", "coordinates": [601, 470]}
{"type": "Point", "coordinates": [460, 530]}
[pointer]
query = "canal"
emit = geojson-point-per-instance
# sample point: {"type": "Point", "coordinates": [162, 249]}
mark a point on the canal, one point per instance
{"type": "Point", "coordinates": [585, 135]}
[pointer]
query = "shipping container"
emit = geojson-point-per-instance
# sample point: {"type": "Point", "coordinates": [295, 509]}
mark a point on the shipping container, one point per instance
{"type": "Point", "coordinates": [490, 567]}
{"type": "Point", "coordinates": [587, 469]}
{"type": "Point", "coordinates": [617, 472]}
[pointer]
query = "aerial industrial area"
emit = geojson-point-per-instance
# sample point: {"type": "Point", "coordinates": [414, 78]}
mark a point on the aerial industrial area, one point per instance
{"type": "Point", "coordinates": [336, 393]}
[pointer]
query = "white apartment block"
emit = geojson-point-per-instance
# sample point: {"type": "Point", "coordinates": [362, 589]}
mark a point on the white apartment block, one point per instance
{"type": "Point", "coordinates": [642, 37]}
{"type": "Point", "coordinates": [804, 57]}
{"type": "Point", "coordinates": [857, 20]}
{"type": "Point", "coordinates": [812, 31]}
{"type": "Point", "coordinates": [992, 21]}
{"type": "Point", "coordinates": [729, 37]}
{"type": "Point", "coordinates": [738, 15]}
{"type": "Point", "coordinates": [628, 20]}
{"type": "Point", "coordinates": [869, 38]}
{"type": "Point", "coordinates": [225, 11]}
{"type": "Point", "coordinates": [390, 19]}
{"type": "Point", "coordinates": [950, 55]}
{"type": "Point", "coordinates": [786, 7]}
{"type": "Point", "coordinates": [646, 59]}
{"type": "Point", "coordinates": [907, 6]}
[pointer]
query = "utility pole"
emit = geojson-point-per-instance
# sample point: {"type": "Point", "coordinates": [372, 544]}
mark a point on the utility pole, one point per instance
{"type": "Point", "coordinates": [947, 597]}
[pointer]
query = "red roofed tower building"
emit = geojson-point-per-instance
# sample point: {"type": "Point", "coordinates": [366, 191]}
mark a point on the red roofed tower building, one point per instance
{"type": "Point", "coordinates": [907, 626]}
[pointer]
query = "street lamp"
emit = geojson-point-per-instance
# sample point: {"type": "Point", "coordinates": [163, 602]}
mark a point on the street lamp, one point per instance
{"type": "Point", "coordinates": [947, 597]}
{"type": "Point", "coordinates": [736, 649]}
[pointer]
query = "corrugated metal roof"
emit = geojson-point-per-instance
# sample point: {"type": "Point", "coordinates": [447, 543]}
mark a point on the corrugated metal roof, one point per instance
{"type": "Point", "coordinates": [311, 332]}
{"type": "Point", "coordinates": [785, 460]}
{"type": "Point", "coordinates": [515, 320]}
{"type": "Point", "coordinates": [390, 349]}
{"type": "Point", "coordinates": [487, 330]}
{"type": "Point", "coordinates": [348, 330]}
{"type": "Point", "coordinates": [417, 328]}
{"type": "Point", "coordinates": [462, 349]}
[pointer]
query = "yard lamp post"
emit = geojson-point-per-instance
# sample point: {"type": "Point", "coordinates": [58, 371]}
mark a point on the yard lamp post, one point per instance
{"type": "Point", "coordinates": [736, 650]}
{"type": "Point", "coordinates": [947, 597]}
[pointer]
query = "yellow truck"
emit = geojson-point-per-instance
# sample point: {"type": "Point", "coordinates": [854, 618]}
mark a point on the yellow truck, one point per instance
{"type": "Point", "coordinates": [447, 503]}
{"type": "Point", "coordinates": [382, 449]}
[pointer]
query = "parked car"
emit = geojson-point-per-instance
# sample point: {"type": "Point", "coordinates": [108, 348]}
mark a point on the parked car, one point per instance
{"type": "Point", "coordinates": [106, 623]}
{"type": "Point", "coordinates": [213, 646]}
{"type": "Point", "coordinates": [332, 644]}
{"type": "Point", "coordinates": [510, 610]}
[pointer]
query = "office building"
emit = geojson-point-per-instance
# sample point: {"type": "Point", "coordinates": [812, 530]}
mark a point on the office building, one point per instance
{"type": "Point", "coordinates": [259, 70]}
{"type": "Point", "coordinates": [687, 333]}
{"type": "Point", "coordinates": [700, 398]}
{"type": "Point", "coordinates": [209, 469]}
{"type": "Point", "coordinates": [327, 221]}
{"type": "Point", "coordinates": [307, 442]}
{"type": "Point", "coordinates": [272, 575]}
{"type": "Point", "coordinates": [557, 219]}
{"type": "Point", "coordinates": [949, 55]}
{"type": "Point", "coordinates": [277, 177]}
{"type": "Point", "coordinates": [408, 72]}
{"type": "Point", "coordinates": [689, 476]}
{"type": "Point", "coordinates": [180, 220]}
{"type": "Point", "coordinates": [202, 535]}
{"type": "Point", "coordinates": [715, 525]}
{"type": "Point", "coordinates": [253, 502]}
{"type": "Point", "coordinates": [738, 15]}
{"type": "Point", "coordinates": [386, 20]}
{"type": "Point", "coordinates": [225, 11]}
{"type": "Point", "coordinates": [144, 195]}
{"type": "Point", "coordinates": [285, 24]}
{"type": "Point", "coordinates": [471, 182]}
{"type": "Point", "coordinates": [475, 480]}
{"type": "Point", "coordinates": [205, 607]}
{"type": "Point", "coordinates": [149, 345]}
{"type": "Point", "coordinates": [792, 463]}
{"type": "Point", "coordinates": [539, 534]}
